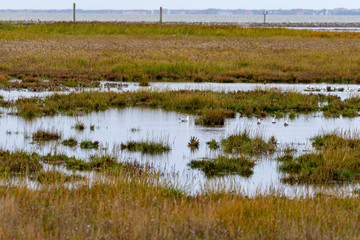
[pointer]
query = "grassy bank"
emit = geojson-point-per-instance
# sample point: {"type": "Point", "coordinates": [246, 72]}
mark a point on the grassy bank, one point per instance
{"type": "Point", "coordinates": [76, 53]}
{"type": "Point", "coordinates": [138, 208]}
{"type": "Point", "coordinates": [126, 200]}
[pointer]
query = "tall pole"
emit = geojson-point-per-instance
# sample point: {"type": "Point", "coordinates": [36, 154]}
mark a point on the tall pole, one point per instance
{"type": "Point", "coordinates": [160, 15]}
{"type": "Point", "coordinates": [74, 10]}
{"type": "Point", "coordinates": [265, 13]}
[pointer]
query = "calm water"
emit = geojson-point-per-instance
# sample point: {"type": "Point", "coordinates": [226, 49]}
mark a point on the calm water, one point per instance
{"type": "Point", "coordinates": [177, 18]}
{"type": "Point", "coordinates": [112, 127]}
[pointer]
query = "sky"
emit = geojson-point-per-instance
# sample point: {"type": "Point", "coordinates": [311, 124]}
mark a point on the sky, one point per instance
{"type": "Point", "coordinates": [178, 4]}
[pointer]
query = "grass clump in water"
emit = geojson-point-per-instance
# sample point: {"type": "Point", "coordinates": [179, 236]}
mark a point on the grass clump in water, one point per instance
{"type": "Point", "coordinates": [213, 117]}
{"type": "Point", "coordinates": [80, 126]}
{"type": "Point", "coordinates": [97, 163]}
{"type": "Point", "coordinates": [71, 142]}
{"type": "Point", "coordinates": [337, 160]}
{"type": "Point", "coordinates": [89, 145]}
{"type": "Point", "coordinates": [223, 165]}
{"type": "Point", "coordinates": [50, 177]}
{"type": "Point", "coordinates": [42, 135]}
{"type": "Point", "coordinates": [243, 143]}
{"type": "Point", "coordinates": [94, 163]}
{"type": "Point", "coordinates": [146, 147]}
{"type": "Point", "coordinates": [144, 84]}
{"type": "Point", "coordinates": [194, 143]}
{"type": "Point", "coordinates": [19, 162]}
{"type": "Point", "coordinates": [213, 144]}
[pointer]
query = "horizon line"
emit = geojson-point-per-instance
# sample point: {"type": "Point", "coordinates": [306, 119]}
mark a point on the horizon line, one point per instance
{"type": "Point", "coordinates": [182, 9]}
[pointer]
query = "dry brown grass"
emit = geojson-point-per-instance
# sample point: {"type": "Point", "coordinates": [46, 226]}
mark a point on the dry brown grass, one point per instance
{"type": "Point", "coordinates": [132, 209]}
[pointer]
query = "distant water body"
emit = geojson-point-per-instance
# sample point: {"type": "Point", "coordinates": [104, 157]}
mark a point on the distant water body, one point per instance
{"type": "Point", "coordinates": [190, 18]}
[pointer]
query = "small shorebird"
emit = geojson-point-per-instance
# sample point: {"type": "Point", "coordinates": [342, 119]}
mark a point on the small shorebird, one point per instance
{"type": "Point", "coordinates": [273, 120]}
{"type": "Point", "coordinates": [187, 119]}
{"type": "Point", "coordinates": [286, 123]}
{"type": "Point", "coordinates": [259, 121]}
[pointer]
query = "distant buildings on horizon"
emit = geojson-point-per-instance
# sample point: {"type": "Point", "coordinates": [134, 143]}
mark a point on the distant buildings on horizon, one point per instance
{"type": "Point", "coordinates": [337, 11]}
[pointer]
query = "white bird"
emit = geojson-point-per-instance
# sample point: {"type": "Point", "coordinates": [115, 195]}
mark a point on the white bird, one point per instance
{"type": "Point", "coordinates": [286, 123]}
{"type": "Point", "coordinates": [273, 120]}
{"type": "Point", "coordinates": [259, 121]}
{"type": "Point", "coordinates": [187, 119]}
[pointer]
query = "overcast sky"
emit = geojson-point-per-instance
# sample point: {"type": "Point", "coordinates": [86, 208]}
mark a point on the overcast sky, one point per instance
{"type": "Point", "coordinates": [178, 4]}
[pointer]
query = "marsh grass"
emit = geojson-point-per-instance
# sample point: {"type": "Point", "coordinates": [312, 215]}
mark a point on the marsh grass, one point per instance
{"type": "Point", "coordinates": [79, 126]}
{"type": "Point", "coordinates": [139, 206]}
{"type": "Point", "coordinates": [223, 165]}
{"type": "Point", "coordinates": [111, 28]}
{"type": "Point", "coordinates": [242, 142]}
{"type": "Point", "coordinates": [71, 142]}
{"type": "Point", "coordinates": [146, 147]}
{"type": "Point", "coordinates": [337, 160]}
{"type": "Point", "coordinates": [50, 177]}
{"type": "Point", "coordinates": [72, 163]}
{"type": "Point", "coordinates": [76, 55]}
{"type": "Point", "coordinates": [193, 143]}
{"type": "Point", "coordinates": [45, 135]}
{"type": "Point", "coordinates": [215, 106]}
{"type": "Point", "coordinates": [213, 117]}
{"type": "Point", "coordinates": [19, 162]}
{"type": "Point", "coordinates": [336, 107]}
{"type": "Point", "coordinates": [89, 144]}
{"type": "Point", "coordinates": [144, 84]}
{"type": "Point", "coordinates": [213, 144]}
{"type": "Point", "coordinates": [106, 163]}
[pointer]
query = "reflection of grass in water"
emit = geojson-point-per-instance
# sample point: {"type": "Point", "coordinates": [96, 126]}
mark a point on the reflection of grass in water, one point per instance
{"type": "Point", "coordinates": [337, 160]}
{"type": "Point", "coordinates": [223, 165]}
{"type": "Point", "coordinates": [148, 146]}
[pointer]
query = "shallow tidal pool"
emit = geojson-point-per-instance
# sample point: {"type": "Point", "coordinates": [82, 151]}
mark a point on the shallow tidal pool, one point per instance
{"type": "Point", "coordinates": [115, 126]}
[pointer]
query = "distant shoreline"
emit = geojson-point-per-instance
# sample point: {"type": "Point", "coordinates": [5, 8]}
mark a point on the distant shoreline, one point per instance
{"type": "Point", "coordinates": [306, 25]}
